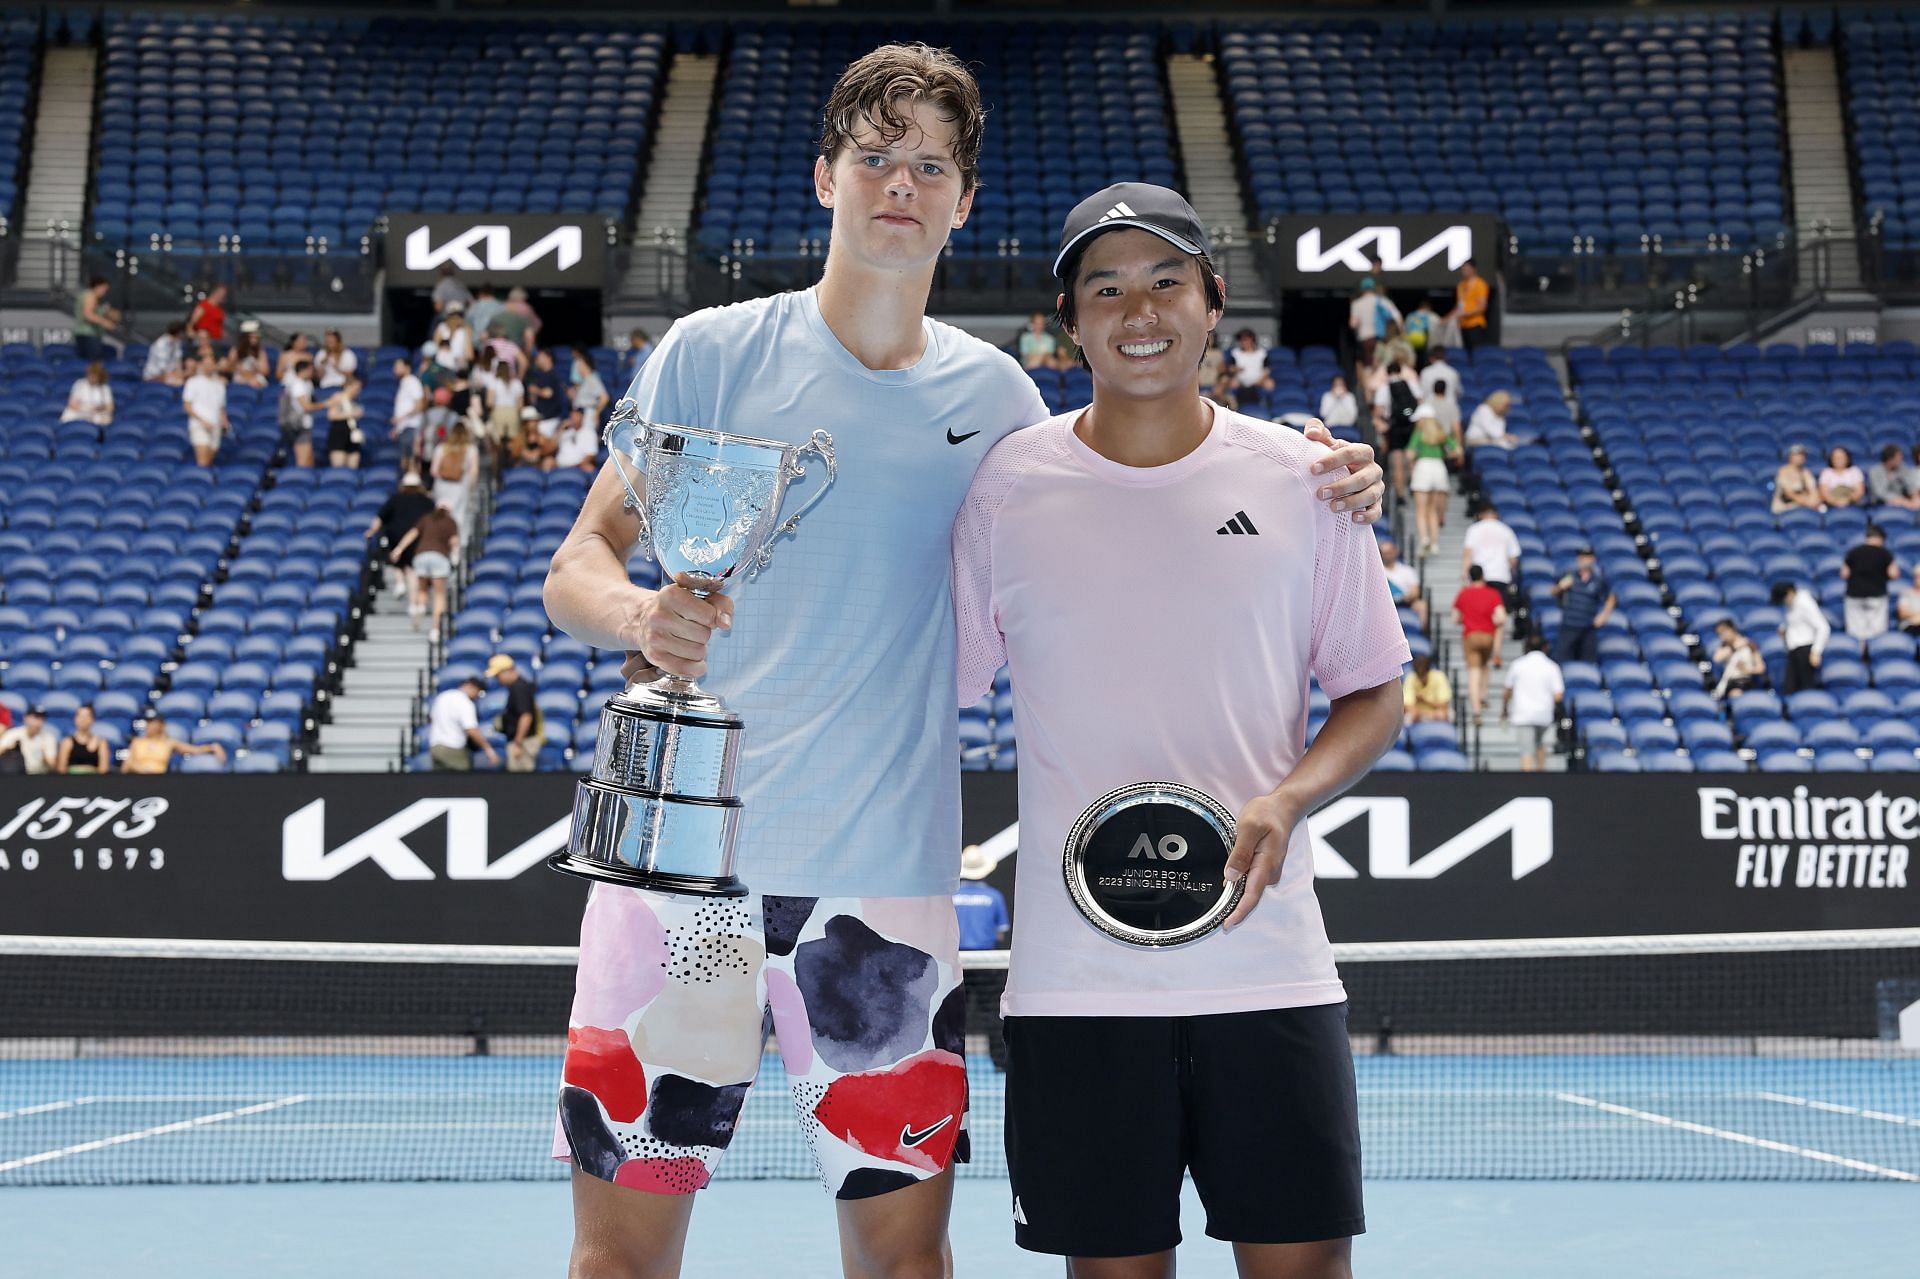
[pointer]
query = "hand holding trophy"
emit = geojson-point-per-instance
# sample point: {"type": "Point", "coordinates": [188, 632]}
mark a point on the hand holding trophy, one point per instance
{"type": "Point", "coordinates": [658, 809]}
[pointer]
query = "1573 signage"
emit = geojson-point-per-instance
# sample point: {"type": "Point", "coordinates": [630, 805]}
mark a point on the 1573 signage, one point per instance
{"type": "Point", "coordinates": [84, 832]}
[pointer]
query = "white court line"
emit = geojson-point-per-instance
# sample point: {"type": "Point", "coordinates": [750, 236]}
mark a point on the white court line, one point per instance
{"type": "Point", "coordinates": [46, 1106]}
{"type": "Point", "coordinates": [1787, 1100]}
{"type": "Point", "coordinates": [1668, 1121]}
{"type": "Point", "coordinates": [120, 1139]}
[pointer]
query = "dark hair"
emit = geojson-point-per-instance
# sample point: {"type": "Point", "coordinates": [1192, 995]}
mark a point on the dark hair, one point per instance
{"type": "Point", "coordinates": [1068, 315]}
{"type": "Point", "coordinates": [1476, 574]}
{"type": "Point", "coordinates": [96, 281]}
{"type": "Point", "coordinates": [1536, 642]}
{"type": "Point", "coordinates": [584, 356]}
{"type": "Point", "coordinates": [1437, 353]}
{"type": "Point", "coordinates": [177, 329]}
{"type": "Point", "coordinates": [1393, 366]}
{"type": "Point", "coordinates": [1439, 386]}
{"type": "Point", "coordinates": [1891, 450]}
{"type": "Point", "coordinates": [871, 90]}
{"type": "Point", "coordinates": [1488, 509]}
{"type": "Point", "coordinates": [1782, 591]}
{"type": "Point", "coordinates": [1874, 530]}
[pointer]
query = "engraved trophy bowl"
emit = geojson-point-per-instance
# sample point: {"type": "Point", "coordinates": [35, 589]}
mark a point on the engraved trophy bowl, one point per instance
{"type": "Point", "coordinates": [659, 809]}
{"type": "Point", "coordinates": [1146, 864]}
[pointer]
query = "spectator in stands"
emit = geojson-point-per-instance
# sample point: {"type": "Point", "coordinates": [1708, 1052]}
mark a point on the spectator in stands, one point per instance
{"type": "Point", "coordinates": [1403, 580]}
{"type": "Point", "coordinates": [345, 439]}
{"type": "Point", "coordinates": [1394, 348]}
{"type": "Point", "coordinates": [1867, 569]}
{"type": "Point", "coordinates": [1446, 410]}
{"type": "Point", "coordinates": [1493, 548]}
{"type": "Point", "coordinates": [30, 747]}
{"type": "Point", "coordinates": [1426, 693]}
{"type": "Point", "coordinates": [502, 396]}
{"type": "Point", "coordinates": [246, 363]}
{"type": "Point", "coordinates": [535, 442]}
{"type": "Point", "coordinates": [1793, 483]}
{"type": "Point", "coordinates": [546, 389]}
{"type": "Point", "coordinates": [1252, 379]}
{"type": "Point", "coordinates": [449, 291]}
{"type": "Point", "coordinates": [336, 361]}
{"type": "Point", "coordinates": [1338, 407]}
{"type": "Point", "coordinates": [520, 721]}
{"type": "Point", "coordinates": [153, 750]}
{"type": "Point", "coordinates": [589, 392]}
{"type": "Point", "coordinates": [634, 358]}
{"type": "Point", "coordinates": [1488, 425]}
{"type": "Point", "coordinates": [1422, 328]}
{"type": "Point", "coordinates": [1368, 316]}
{"type": "Point", "coordinates": [456, 469]}
{"type": "Point", "coordinates": [576, 445]}
{"type": "Point", "coordinates": [404, 508]}
{"type": "Point", "coordinates": [167, 357]}
{"type": "Point", "coordinates": [1216, 383]}
{"type": "Point", "coordinates": [981, 912]}
{"type": "Point", "coordinates": [205, 398]}
{"type": "Point", "coordinates": [1394, 404]}
{"type": "Point", "coordinates": [528, 324]}
{"type": "Point", "coordinates": [453, 342]}
{"type": "Point", "coordinates": [1804, 630]}
{"type": "Point", "coordinates": [208, 318]}
{"type": "Point", "coordinates": [1469, 312]}
{"type": "Point", "coordinates": [1586, 602]}
{"type": "Point", "coordinates": [434, 540]}
{"type": "Point", "coordinates": [1531, 702]}
{"type": "Point", "coordinates": [1439, 380]}
{"type": "Point", "coordinates": [1481, 613]}
{"type": "Point", "coordinates": [1741, 665]}
{"type": "Point", "coordinates": [296, 410]}
{"type": "Point", "coordinates": [1842, 483]}
{"type": "Point", "coordinates": [83, 750]}
{"type": "Point", "coordinates": [483, 308]}
{"type": "Point", "coordinates": [299, 347]}
{"type": "Point", "coordinates": [90, 399]}
{"type": "Point", "coordinates": [1907, 609]}
{"type": "Point", "coordinates": [93, 319]}
{"type": "Point", "coordinates": [1037, 347]}
{"type": "Point", "coordinates": [1891, 482]}
{"type": "Point", "coordinates": [1431, 447]}
{"type": "Point", "coordinates": [453, 729]}
{"type": "Point", "coordinates": [409, 411]}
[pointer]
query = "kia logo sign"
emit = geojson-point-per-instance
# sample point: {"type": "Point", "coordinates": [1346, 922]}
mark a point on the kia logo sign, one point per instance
{"type": "Point", "coordinates": [537, 251]}
{"type": "Point", "coordinates": [1417, 250]}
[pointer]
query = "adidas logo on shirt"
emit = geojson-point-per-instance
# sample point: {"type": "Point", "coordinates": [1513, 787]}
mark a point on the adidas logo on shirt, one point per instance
{"type": "Point", "coordinates": [1019, 1217]}
{"type": "Point", "coordinates": [1238, 524]}
{"type": "Point", "coordinates": [1119, 210]}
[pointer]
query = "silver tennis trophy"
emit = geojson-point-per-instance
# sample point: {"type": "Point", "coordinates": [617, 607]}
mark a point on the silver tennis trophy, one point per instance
{"type": "Point", "coordinates": [659, 809]}
{"type": "Point", "coordinates": [1146, 864]}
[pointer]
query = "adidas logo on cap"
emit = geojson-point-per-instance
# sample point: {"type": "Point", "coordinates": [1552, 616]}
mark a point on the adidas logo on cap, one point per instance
{"type": "Point", "coordinates": [1119, 210]}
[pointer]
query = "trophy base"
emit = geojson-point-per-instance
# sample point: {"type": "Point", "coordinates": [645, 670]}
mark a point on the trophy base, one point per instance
{"type": "Point", "coordinates": [657, 881]}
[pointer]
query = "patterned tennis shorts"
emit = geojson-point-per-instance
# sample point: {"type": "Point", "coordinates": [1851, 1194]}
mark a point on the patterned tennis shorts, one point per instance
{"type": "Point", "coordinates": [672, 1007]}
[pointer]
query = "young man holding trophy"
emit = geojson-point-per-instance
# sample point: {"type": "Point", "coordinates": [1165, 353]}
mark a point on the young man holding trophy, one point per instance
{"type": "Point", "coordinates": [827, 742]}
{"type": "Point", "coordinates": [1160, 580]}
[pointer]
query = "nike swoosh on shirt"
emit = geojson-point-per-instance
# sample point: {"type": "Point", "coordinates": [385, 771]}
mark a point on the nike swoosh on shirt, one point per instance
{"type": "Point", "coordinates": [959, 439]}
{"type": "Point", "coordinates": [910, 1138]}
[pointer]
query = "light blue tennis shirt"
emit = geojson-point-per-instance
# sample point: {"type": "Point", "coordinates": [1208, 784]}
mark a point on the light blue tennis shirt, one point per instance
{"type": "Point", "coordinates": [841, 656]}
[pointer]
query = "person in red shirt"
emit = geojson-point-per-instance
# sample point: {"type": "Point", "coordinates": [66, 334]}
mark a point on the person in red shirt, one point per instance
{"type": "Point", "coordinates": [1481, 613]}
{"type": "Point", "coordinates": [210, 315]}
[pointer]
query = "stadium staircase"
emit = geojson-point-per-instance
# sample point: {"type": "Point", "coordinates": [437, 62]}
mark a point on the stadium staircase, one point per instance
{"type": "Point", "coordinates": [63, 133]}
{"type": "Point", "coordinates": [1492, 745]}
{"type": "Point", "coordinates": [1206, 144]}
{"type": "Point", "coordinates": [1822, 187]}
{"type": "Point", "coordinates": [374, 708]}
{"type": "Point", "coordinates": [665, 219]}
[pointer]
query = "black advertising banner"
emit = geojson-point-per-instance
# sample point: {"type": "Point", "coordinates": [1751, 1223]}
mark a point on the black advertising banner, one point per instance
{"type": "Point", "coordinates": [1410, 250]}
{"type": "Point", "coordinates": [459, 859]}
{"type": "Point", "coordinates": [535, 251]}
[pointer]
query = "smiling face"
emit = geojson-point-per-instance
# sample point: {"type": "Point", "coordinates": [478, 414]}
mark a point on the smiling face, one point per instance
{"type": "Point", "coordinates": [1142, 316]}
{"type": "Point", "coordinates": [895, 201]}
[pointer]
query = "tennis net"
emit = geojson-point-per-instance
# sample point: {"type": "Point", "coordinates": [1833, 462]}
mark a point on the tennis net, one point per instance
{"type": "Point", "coordinates": [1762, 1056]}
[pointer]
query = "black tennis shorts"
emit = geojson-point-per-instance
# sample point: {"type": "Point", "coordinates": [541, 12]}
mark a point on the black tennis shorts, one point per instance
{"type": "Point", "coordinates": [1105, 1114]}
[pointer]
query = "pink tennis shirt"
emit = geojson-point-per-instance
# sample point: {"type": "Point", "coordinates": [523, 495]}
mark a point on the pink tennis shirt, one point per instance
{"type": "Point", "coordinates": [1162, 624]}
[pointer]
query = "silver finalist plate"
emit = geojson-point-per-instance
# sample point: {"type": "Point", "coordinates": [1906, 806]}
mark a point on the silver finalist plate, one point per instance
{"type": "Point", "coordinates": [1146, 864]}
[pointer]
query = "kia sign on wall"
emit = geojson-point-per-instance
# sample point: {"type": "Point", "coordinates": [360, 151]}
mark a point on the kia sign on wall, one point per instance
{"type": "Point", "coordinates": [440, 858]}
{"type": "Point", "coordinates": [1415, 250]}
{"type": "Point", "coordinates": [564, 251]}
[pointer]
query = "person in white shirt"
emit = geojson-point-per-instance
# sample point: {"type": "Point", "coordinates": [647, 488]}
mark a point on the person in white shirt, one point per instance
{"type": "Point", "coordinates": [1338, 406]}
{"type": "Point", "coordinates": [1494, 547]}
{"type": "Point", "coordinates": [165, 358]}
{"type": "Point", "coordinates": [336, 361]}
{"type": "Point", "coordinates": [1249, 361]}
{"type": "Point", "coordinates": [576, 445]}
{"type": "Point", "coordinates": [409, 411]}
{"type": "Point", "coordinates": [1530, 703]}
{"type": "Point", "coordinates": [205, 399]}
{"type": "Point", "coordinates": [1436, 371]}
{"type": "Point", "coordinates": [453, 728]}
{"type": "Point", "coordinates": [1403, 579]}
{"type": "Point", "coordinates": [1130, 490]}
{"type": "Point", "coordinates": [34, 745]}
{"type": "Point", "coordinates": [1368, 316]}
{"type": "Point", "coordinates": [1488, 425]}
{"type": "Point", "coordinates": [297, 407]}
{"type": "Point", "coordinates": [91, 398]}
{"type": "Point", "coordinates": [1804, 630]}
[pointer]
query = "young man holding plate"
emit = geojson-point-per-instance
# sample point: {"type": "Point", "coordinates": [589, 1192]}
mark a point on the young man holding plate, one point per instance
{"type": "Point", "coordinates": [1162, 583]}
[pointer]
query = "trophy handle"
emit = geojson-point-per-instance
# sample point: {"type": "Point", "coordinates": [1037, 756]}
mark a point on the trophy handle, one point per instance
{"type": "Point", "coordinates": [626, 429]}
{"type": "Point", "coordinates": [820, 444]}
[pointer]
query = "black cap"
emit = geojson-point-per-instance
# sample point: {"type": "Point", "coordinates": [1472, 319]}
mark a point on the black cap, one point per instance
{"type": "Point", "coordinates": [1141, 205]}
{"type": "Point", "coordinates": [41, 711]}
{"type": "Point", "coordinates": [1583, 550]}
